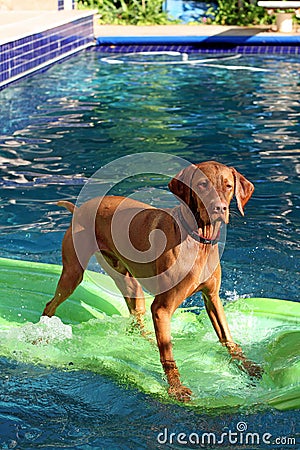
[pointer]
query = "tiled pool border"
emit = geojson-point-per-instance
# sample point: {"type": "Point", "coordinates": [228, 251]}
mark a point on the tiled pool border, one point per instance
{"type": "Point", "coordinates": [24, 56]}
{"type": "Point", "coordinates": [202, 44]}
{"type": "Point", "coordinates": [244, 49]}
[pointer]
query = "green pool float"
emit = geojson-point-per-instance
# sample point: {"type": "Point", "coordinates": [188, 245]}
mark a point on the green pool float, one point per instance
{"type": "Point", "coordinates": [93, 331]}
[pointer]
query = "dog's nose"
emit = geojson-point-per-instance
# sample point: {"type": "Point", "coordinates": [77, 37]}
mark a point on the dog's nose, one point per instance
{"type": "Point", "coordinates": [219, 208]}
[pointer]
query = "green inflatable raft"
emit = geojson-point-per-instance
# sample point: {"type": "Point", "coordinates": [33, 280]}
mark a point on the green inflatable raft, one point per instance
{"type": "Point", "coordinates": [93, 331]}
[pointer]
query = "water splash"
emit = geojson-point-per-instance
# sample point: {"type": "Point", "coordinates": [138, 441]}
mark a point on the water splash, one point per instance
{"type": "Point", "coordinates": [34, 342]}
{"type": "Point", "coordinates": [49, 330]}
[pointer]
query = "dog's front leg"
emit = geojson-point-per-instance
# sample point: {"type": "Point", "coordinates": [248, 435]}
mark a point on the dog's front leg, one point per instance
{"type": "Point", "coordinates": [216, 313]}
{"type": "Point", "coordinates": [214, 307]}
{"type": "Point", "coordinates": [162, 309]}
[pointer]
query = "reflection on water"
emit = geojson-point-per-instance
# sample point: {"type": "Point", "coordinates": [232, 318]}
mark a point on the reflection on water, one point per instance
{"type": "Point", "coordinates": [86, 113]}
{"type": "Point", "coordinates": [59, 127]}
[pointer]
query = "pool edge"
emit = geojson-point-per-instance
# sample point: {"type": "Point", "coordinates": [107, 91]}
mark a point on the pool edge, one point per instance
{"type": "Point", "coordinates": [222, 43]}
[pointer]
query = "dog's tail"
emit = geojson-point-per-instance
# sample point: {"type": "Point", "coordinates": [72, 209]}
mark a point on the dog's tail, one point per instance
{"type": "Point", "coordinates": [68, 205]}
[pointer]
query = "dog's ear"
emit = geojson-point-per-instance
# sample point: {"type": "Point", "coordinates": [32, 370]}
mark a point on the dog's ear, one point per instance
{"type": "Point", "coordinates": [243, 190]}
{"type": "Point", "coordinates": [180, 184]}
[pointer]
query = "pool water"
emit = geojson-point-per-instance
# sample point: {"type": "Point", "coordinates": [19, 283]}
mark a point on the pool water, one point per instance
{"type": "Point", "coordinates": [58, 128]}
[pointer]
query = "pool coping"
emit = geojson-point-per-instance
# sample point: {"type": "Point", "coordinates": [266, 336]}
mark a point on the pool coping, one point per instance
{"type": "Point", "coordinates": [210, 40]}
{"type": "Point", "coordinates": [15, 25]}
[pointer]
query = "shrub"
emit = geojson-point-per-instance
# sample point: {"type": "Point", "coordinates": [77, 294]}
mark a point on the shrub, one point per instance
{"type": "Point", "coordinates": [239, 12]}
{"type": "Point", "coordinates": [122, 12]}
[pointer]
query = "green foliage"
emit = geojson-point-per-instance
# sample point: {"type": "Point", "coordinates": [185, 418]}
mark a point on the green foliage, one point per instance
{"type": "Point", "coordinates": [239, 12]}
{"type": "Point", "coordinates": [124, 12]}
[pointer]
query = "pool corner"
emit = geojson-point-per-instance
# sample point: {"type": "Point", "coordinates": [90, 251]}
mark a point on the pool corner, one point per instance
{"type": "Point", "coordinates": [31, 41]}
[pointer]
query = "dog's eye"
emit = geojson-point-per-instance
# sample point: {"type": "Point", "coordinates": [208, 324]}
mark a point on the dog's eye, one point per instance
{"type": "Point", "coordinates": [203, 184]}
{"type": "Point", "coordinates": [229, 187]}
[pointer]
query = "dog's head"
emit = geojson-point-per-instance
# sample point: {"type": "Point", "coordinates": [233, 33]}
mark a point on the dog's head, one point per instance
{"type": "Point", "coordinates": [208, 188]}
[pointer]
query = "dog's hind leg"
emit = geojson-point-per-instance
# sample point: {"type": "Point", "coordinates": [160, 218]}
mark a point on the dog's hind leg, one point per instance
{"type": "Point", "coordinates": [71, 276]}
{"type": "Point", "coordinates": [126, 283]}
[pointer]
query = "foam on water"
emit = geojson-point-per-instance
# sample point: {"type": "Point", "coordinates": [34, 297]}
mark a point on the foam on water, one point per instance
{"type": "Point", "coordinates": [47, 331]}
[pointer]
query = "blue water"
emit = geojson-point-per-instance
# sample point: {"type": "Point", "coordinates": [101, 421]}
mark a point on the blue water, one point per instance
{"type": "Point", "coordinates": [57, 129]}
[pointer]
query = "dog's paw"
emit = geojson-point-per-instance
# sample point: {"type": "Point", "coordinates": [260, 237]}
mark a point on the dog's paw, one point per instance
{"type": "Point", "coordinates": [253, 369]}
{"type": "Point", "coordinates": [180, 393]}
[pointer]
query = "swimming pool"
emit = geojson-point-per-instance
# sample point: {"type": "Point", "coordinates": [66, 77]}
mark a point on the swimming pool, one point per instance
{"type": "Point", "coordinates": [58, 128]}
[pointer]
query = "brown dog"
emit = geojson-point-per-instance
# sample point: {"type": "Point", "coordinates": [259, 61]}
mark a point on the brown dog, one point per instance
{"type": "Point", "coordinates": [172, 253]}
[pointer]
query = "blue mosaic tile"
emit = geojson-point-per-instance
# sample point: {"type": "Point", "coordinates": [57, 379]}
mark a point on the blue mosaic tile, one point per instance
{"type": "Point", "coordinates": [4, 66]}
